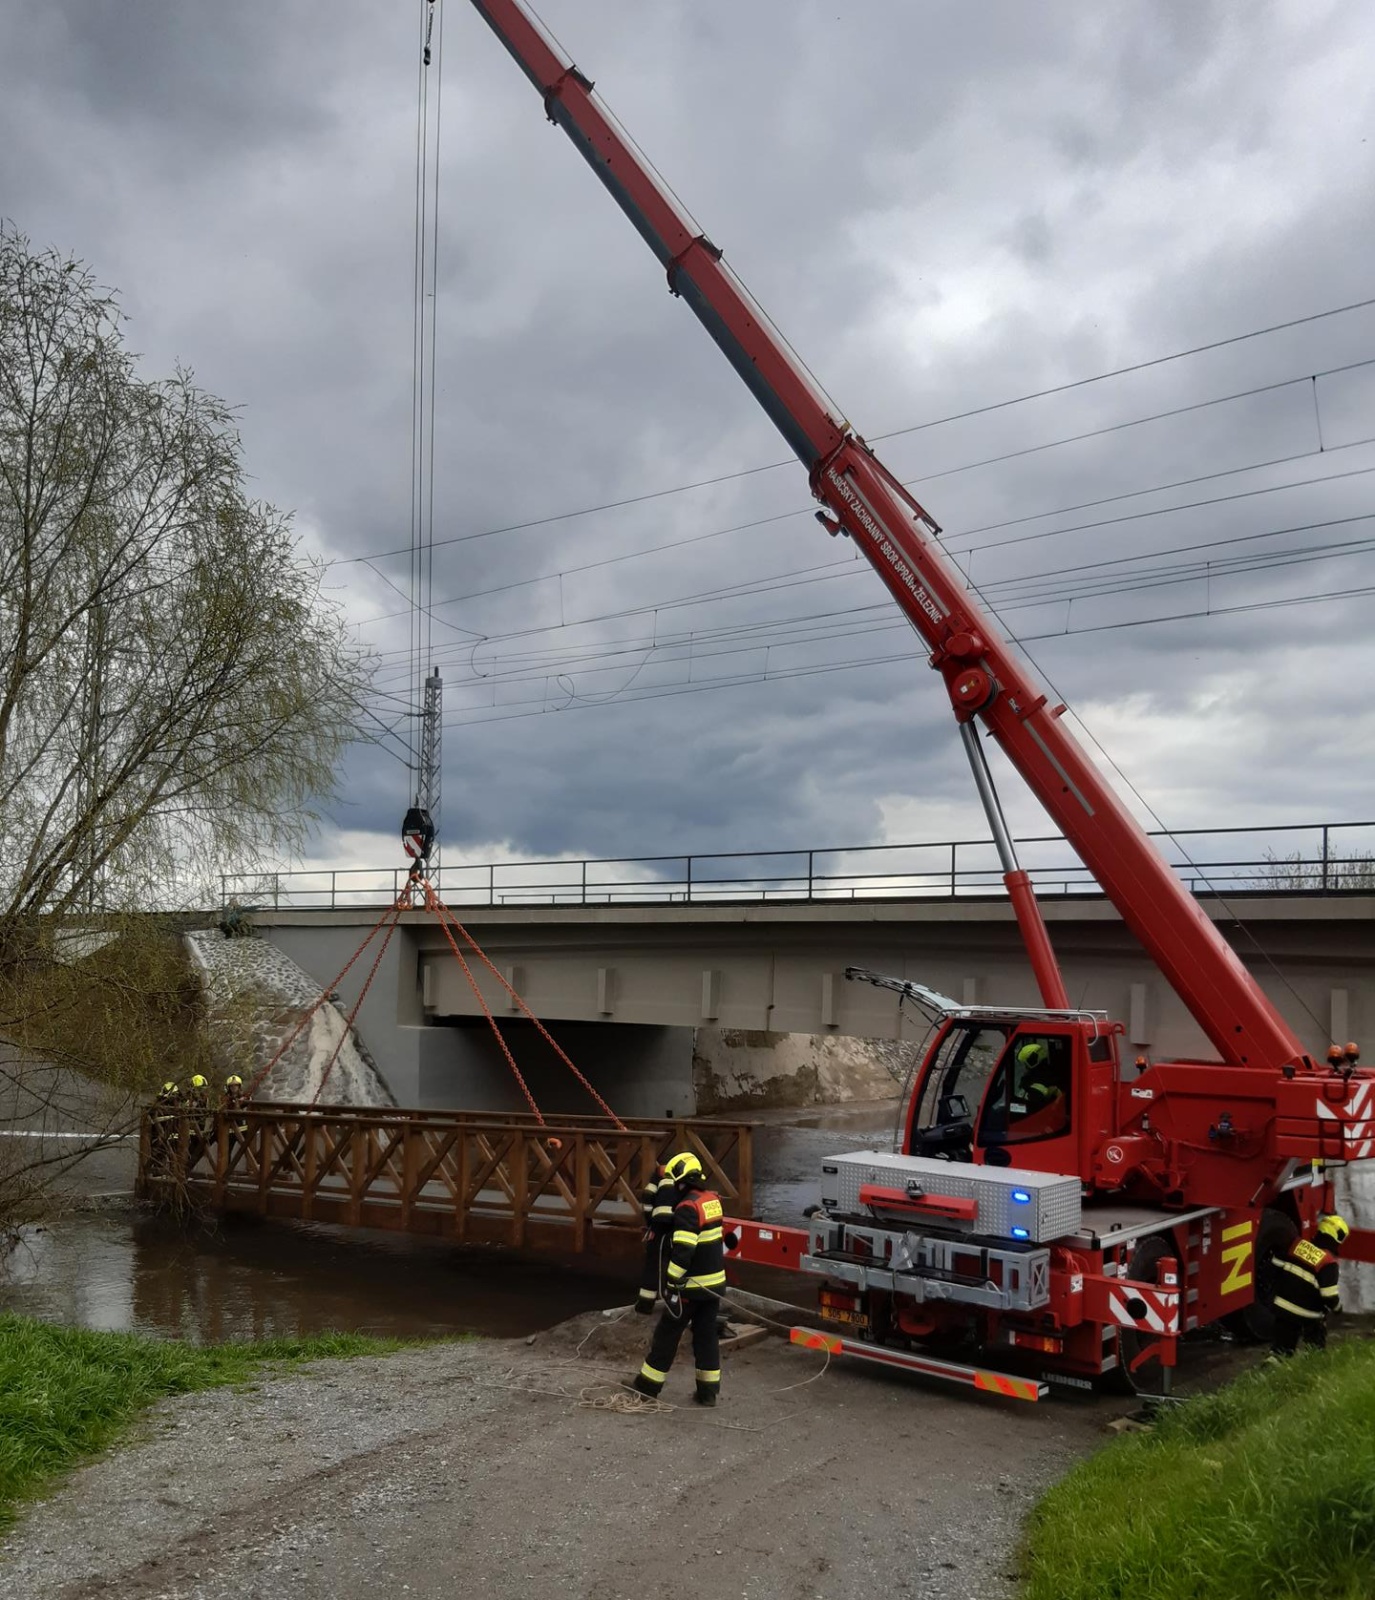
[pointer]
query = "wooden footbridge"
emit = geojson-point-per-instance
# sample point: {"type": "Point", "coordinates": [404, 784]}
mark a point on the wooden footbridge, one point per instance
{"type": "Point", "coordinates": [559, 1184]}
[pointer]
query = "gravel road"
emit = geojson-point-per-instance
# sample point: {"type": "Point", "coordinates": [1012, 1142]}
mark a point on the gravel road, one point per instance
{"type": "Point", "coordinates": [481, 1469]}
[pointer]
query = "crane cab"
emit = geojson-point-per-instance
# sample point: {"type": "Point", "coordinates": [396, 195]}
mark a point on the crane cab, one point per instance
{"type": "Point", "coordinates": [1007, 1090]}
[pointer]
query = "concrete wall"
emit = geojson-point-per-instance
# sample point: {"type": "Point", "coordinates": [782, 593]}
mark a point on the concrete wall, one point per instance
{"type": "Point", "coordinates": [736, 1069]}
{"type": "Point", "coordinates": [777, 970]}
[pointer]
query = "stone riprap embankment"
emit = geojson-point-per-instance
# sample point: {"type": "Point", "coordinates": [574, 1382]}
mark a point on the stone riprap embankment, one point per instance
{"type": "Point", "coordinates": [256, 997]}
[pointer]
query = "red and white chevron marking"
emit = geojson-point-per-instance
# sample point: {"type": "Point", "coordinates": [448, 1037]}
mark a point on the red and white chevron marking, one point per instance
{"type": "Point", "coordinates": [1160, 1316]}
{"type": "Point", "coordinates": [1357, 1117]}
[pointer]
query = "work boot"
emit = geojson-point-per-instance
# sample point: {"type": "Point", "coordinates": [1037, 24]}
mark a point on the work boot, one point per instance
{"type": "Point", "coordinates": [645, 1386]}
{"type": "Point", "coordinates": [707, 1394]}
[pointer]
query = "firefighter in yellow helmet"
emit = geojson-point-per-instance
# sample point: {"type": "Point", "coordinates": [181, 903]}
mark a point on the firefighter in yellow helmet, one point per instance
{"type": "Point", "coordinates": [234, 1102]}
{"type": "Point", "coordinates": [693, 1283]}
{"type": "Point", "coordinates": [1306, 1287]}
{"type": "Point", "coordinates": [658, 1199]}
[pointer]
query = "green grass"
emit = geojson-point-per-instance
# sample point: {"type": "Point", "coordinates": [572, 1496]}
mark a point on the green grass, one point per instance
{"type": "Point", "coordinates": [1264, 1490]}
{"type": "Point", "coordinates": [67, 1392]}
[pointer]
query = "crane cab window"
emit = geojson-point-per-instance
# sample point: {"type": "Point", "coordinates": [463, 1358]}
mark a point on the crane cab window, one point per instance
{"type": "Point", "coordinates": [1029, 1096]}
{"type": "Point", "coordinates": [953, 1090]}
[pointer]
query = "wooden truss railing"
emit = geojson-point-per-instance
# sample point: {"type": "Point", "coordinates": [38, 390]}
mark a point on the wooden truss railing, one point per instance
{"type": "Point", "coordinates": [570, 1184]}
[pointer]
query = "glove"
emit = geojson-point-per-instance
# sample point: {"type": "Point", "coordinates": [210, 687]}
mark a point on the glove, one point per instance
{"type": "Point", "coordinates": [644, 1303]}
{"type": "Point", "coordinates": [732, 1239]}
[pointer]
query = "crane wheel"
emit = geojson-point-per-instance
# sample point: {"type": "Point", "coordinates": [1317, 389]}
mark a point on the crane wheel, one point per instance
{"type": "Point", "coordinates": [1148, 1379]}
{"type": "Point", "coordinates": [1255, 1324]}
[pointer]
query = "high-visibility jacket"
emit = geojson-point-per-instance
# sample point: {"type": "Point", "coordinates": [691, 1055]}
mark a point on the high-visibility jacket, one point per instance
{"type": "Point", "coordinates": [697, 1251]}
{"type": "Point", "coordinates": [657, 1201]}
{"type": "Point", "coordinates": [1306, 1282]}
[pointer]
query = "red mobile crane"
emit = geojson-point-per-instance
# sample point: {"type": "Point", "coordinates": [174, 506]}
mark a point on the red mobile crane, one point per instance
{"type": "Point", "coordinates": [1151, 1202]}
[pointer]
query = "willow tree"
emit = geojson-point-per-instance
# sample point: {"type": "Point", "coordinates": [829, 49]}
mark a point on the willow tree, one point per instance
{"type": "Point", "coordinates": [174, 692]}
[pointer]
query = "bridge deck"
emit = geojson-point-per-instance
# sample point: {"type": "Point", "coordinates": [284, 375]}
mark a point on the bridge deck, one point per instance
{"type": "Point", "coordinates": [570, 1185]}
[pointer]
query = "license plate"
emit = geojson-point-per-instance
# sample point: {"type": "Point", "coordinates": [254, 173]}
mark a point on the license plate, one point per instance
{"type": "Point", "coordinates": [854, 1319]}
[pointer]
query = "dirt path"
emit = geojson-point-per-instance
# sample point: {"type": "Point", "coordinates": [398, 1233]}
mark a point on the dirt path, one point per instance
{"type": "Point", "coordinates": [477, 1469]}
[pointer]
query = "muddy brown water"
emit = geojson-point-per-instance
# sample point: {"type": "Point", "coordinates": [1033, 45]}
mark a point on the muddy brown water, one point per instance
{"type": "Point", "coordinates": [242, 1278]}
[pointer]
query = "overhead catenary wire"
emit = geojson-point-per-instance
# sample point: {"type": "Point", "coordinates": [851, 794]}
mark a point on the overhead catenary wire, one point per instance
{"type": "Point", "coordinates": [573, 702]}
{"type": "Point", "coordinates": [846, 567]}
{"type": "Point", "coordinates": [1042, 535]}
{"type": "Point", "coordinates": [894, 433]}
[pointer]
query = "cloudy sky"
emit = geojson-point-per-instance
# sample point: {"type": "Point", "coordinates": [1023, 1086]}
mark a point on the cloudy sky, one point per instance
{"type": "Point", "coordinates": [945, 206]}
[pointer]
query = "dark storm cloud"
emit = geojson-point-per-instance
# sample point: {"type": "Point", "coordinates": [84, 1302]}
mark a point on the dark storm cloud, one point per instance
{"type": "Point", "coordinates": [942, 206]}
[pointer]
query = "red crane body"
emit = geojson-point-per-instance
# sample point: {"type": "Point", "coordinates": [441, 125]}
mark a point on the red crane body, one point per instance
{"type": "Point", "coordinates": [1229, 1133]}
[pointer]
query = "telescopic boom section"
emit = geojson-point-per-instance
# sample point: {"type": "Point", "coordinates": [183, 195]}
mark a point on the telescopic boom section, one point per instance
{"type": "Point", "coordinates": [982, 675]}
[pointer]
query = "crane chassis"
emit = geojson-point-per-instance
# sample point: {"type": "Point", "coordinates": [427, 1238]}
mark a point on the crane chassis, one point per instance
{"type": "Point", "coordinates": [1187, 1175]}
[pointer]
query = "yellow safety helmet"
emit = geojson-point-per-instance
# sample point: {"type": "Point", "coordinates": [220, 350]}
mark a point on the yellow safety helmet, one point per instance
{"type": "Point", "coordinates": [233, 1081]}
{"type": "Point", "coordinates": [683, 1166]}
{"type": "Point", "coordinates": [1333, 1228]}
{"type": "Point", "coordinates": [197, 1082]}
{"type": "Point", "coordinates": [1034, 1053]}
{"type": "Point", "coordinates": [169, 1088]}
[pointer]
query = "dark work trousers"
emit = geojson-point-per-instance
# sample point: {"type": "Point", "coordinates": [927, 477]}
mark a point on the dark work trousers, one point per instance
{"type": "Point", "coordinates": [706, 1346]}
{"type": "Point", "coordinates": [1289, 1330]}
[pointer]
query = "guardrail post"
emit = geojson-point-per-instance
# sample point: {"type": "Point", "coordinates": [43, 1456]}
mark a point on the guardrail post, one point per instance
{"type": "Point", "coordinates": [953, 848]}
{"type": "Point", "coordinates": [491, 883]}
{"type": "Point", "coordinates": [332, 877]}
{"type": "Point", "coordinates": [809, 873]}
{"type": "Point", "coordinates": [584, 883]}
{"type": "Point", "coordinates": [276, 890]}
{"type": "Point", "coordinates": [687, 892]}
{"type": "Point", "coordinates": [1324, 859]}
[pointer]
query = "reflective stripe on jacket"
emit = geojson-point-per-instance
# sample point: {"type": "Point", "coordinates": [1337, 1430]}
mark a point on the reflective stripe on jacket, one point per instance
{"type": "Point", "coordinates": [697, 1254]}
{"type": "Point", "coordinates": [1306, 1283]}
{"type": "Point", "coordinates": [657, 1200]}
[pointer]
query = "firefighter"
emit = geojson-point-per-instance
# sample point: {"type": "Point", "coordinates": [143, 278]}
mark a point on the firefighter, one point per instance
{"type": "Point", "coordinates": [196, 1104]}
{"type": "Point", "coordinates": [657, 1200]}
{"type": "Point", "coordinates": [1306, 1287]}
{"type": "Point", "coordinates": [693, 1281]}
{"type": "Point", "coordinates": [233, 1103]}
{"type": "Point", "coordinates": [1040, 1106]}
{"type": "Point", "coordinates": [162, 1124]}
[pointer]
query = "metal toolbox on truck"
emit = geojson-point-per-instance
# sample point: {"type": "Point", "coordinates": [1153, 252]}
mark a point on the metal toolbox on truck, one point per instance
{"type": "Point", "coordinates": [1007, 1202]}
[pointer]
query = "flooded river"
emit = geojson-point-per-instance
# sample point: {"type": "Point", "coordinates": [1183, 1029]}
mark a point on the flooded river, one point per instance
{"type": "Point", "coordinates": [242, 1278]}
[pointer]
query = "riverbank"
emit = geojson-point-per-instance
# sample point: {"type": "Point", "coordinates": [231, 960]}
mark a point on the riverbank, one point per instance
{"type": "Point", "coordinates": [498, 1468]}
{"type": "Point", "coordinates": [66, 1393]}
{"type": "Point", "coordinates": [1264, 1490]}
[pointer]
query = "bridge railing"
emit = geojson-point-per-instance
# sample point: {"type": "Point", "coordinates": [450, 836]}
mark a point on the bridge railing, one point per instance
{"type": "Point", "coordinates": [569, 1185]}
{"type": "Point", "coordinates": [1300, 858]}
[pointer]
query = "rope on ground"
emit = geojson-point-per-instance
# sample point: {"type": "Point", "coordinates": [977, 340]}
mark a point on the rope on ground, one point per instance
{"type": "Point", "coordinates": [609, 1322]}
{"type": "Point", "coordinates": [436, 907]}
{"type": "Point", "coordinates": [401, 901]}
{"type": "Point", "coordinates": [446, 915]}
{"type": "Point", "coordinates": [623, 1401]}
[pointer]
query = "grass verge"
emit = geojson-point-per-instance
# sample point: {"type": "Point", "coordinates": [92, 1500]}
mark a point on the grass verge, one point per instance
{"type": "Point", "coordinates": [66, 1392]}
{"type": "Point", "coordinates": [1264, 1490]}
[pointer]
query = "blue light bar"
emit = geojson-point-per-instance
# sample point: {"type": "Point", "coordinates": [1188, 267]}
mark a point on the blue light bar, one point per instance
{"type": "Point", "coordinates": [1021, 1233]}
{"type": "Point", "coordinates": [1021, 1197]}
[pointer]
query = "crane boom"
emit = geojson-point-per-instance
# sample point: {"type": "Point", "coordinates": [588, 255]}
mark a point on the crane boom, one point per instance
{"type": "Point", "coordinates": [983, 675]}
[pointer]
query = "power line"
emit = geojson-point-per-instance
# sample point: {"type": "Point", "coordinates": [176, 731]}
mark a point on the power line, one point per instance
{"type": "Point", "coordinates": [575, 703]}
{"type": "Point", "coordinates": [771, 585]}
{"type": "Point", "coordinates": [717, 533]}
{"type": "Point", "coordinates": [827, 627]}
{"type": "Point", "coordinates": [878, 438]}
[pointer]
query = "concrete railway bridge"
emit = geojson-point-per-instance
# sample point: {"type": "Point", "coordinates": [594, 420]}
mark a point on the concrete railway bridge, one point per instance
{"type": "Point", "coordinates": [639, 992]}
{"type": "Point", "coordinates": [674, 995]}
